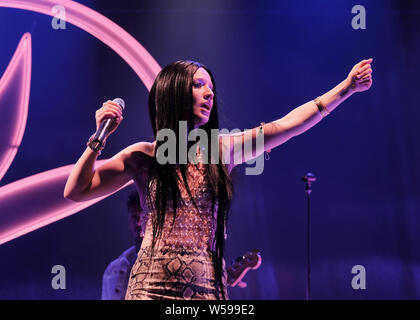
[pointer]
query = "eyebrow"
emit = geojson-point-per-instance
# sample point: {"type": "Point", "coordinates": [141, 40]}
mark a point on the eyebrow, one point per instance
{"type": "Point", "coordinates": [202, 79]}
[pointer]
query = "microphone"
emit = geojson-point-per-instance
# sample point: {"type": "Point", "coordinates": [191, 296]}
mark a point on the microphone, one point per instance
{"type": "Point", "coordinates": [309, 178]}
{"type": "Point", "coordinates": [98, 139]}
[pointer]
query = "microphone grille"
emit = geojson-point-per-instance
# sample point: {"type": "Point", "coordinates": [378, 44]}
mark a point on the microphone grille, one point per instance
{"type": "Point", "coordinates": [120, 102]}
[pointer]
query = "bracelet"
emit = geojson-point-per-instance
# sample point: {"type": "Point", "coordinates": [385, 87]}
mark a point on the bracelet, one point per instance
{"type": "Point", "coordinates": [322, 109]}
{"type": "Point", "coordinates": [95, 144]}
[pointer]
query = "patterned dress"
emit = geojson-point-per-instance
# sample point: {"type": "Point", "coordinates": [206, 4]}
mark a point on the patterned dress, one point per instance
{"type": "Point", "coordinates": [181, 267]}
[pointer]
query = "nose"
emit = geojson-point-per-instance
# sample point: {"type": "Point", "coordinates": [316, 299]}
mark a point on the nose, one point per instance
{"type": "Point", "coordinates": [208, 94]}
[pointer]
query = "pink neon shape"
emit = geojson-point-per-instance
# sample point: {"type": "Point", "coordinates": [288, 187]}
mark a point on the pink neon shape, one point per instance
{"type": "Point", "coordinates": [14, 99]}
{"type": "Point", "coordinates": [31, 203]}
{"type": "Point", "coordinates": [103, 29]}
{"type": "Point", "coordinates": [15, 219]}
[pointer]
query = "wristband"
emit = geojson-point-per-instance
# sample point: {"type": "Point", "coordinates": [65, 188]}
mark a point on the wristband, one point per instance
{"type": "Point", "coordinates": [95, 144]}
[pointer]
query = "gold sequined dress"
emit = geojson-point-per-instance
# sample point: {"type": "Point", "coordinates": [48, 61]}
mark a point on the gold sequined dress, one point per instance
{"type": "Point", "coordinates": [181, 266]}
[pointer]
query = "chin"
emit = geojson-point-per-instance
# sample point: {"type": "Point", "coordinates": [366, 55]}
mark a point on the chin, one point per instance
{"type": "Point", "coordinates": [200, 121]}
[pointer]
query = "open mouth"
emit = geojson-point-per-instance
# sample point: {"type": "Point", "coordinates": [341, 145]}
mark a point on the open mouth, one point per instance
{"type": "Point", "coordinates": [205, 107]}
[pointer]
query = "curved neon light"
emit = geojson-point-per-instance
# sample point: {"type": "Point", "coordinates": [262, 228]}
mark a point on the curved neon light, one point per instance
{"type": "Point", "coordinates": [101, 28]}
{"type": "Point", "coordinates": [48, 186]}
{"type": "Point", "coordinates": [44, 194]}
{"type": "Point", "coordinates": [14, 99]}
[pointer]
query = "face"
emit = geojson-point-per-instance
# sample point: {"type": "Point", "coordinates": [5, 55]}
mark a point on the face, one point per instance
{"type": "Point", "coordinates": [135, 224]}
{"type": "Point", "coordinates": [202, 97]}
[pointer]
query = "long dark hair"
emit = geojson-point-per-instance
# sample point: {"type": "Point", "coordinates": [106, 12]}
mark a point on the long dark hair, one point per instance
{"type": "Point", "coordinates": [171, 101]}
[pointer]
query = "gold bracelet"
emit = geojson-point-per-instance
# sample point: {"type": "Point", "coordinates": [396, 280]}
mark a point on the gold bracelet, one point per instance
{"type": "Point", "coordinates": [322, 109]}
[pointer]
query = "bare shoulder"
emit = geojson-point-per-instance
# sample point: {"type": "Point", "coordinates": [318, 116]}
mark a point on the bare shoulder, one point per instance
{"type": "Point", "coordinates": [137, 156]}
{"type": "Point", "coordinates": [147, 148]}
{"type": "Point", "coordinates": [226, 151]}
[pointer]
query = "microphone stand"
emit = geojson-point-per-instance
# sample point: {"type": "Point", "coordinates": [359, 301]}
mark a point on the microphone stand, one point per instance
{"type": "Point", "coordinates": [308, 179]}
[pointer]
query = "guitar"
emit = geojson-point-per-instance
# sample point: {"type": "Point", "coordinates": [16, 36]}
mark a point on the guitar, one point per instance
{"type": "Point", "coordinates": [241, 265]}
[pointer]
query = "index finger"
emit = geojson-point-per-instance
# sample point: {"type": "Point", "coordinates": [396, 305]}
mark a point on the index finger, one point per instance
{"type": "Point", "coordinates": [114, 104]}
{"type": "Point", "coordinates": [363, 62]}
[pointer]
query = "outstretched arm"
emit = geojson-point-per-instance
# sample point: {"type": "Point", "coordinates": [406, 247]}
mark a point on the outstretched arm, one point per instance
{"type": "Point", "coordinates": [299, 119]}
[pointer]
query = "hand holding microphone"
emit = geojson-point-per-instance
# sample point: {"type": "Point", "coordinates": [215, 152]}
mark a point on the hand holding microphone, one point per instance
{"type": "Point", "coordinates": [108, 118]}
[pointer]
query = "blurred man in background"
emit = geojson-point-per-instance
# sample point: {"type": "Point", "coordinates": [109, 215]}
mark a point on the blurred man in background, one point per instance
{"type": "Point", "coordinates": [115, 278]}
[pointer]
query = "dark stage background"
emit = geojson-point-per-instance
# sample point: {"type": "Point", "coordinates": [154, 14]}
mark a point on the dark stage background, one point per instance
{"type": "Point", "coordinates": [267, 57]}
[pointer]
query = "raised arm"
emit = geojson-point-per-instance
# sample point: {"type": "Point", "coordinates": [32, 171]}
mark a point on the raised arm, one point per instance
{"type": "Point", "coordinates": [299, 119]}
{"type": "Point", "coordinates": [85, 182]}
